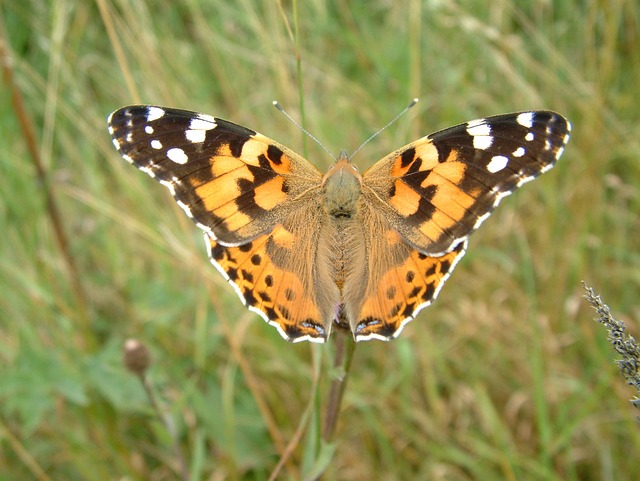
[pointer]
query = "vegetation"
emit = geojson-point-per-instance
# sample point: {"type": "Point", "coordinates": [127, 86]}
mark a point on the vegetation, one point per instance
{"type": "Point", "coordinates": [505, 377]}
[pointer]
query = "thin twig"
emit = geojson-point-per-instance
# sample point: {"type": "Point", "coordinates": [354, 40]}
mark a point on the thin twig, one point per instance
{"type": "Point", "coordinates": [345, 347]}
{"type": "Point", "coordinates": [169, 426]}
{"type": "Point", "coordinates": [137, 359]}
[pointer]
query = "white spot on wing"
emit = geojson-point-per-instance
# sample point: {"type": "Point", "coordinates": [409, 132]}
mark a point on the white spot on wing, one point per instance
{"type": "Point", "coordinates": [185, 208]}
{"type": "Point", "coordinates": [519, 152]}
{"type": "Point", "coordinates": [154, 113]}
{"type": "Point", "coordinates": [529, 137]}
{"type": "Point", "coordinates": [546, 168]}
{"type": "Point", "coordinates": [169, 186]}
{"type": "Point", "coordinates": [148, 129]}
{"type": "Point", "coordinates": [481, 133]}
{"type": "Point", "coordinates": [482, 218]}
{"type": "Point", "coordinates": [177, 155]}
{"type": "Point", "coordinates": [482, 142]}
{"type": "Point", "coordinates": [116, 144]}
{"type": "Point", "coordinates": [203, 122]}
{"type": "Point", "coordinates": [478, 127]}
{"type": "Point", "coordinates": [156, 144]}
{"type": "Point", "coordinates": [148, 171]}
{"type": "Point", "coordinates": [525, 119]}
{"type": "Point", "coordinates": [206, 229]}
{"type": "Point", "coordinates": [497, 163]}
{"type": "Point", "coordinates": [195, 136]}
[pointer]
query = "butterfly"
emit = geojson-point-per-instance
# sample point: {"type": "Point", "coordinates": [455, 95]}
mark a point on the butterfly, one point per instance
{"type": "Point", "coordinates": [310, 252]}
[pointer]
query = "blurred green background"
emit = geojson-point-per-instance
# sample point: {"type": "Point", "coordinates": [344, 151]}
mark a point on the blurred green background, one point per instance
{"type": "Point", "coordinates": [505, 377]}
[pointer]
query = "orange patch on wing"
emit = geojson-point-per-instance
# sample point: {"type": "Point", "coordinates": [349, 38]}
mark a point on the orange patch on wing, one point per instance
{"type": "Point", "coordinates": [224, 151]}
{"type": "Point", "coordinates": [225, 163]}
{"type": "Point", "coordinates": [434, 227]}
{"type": "Point", "coordinates": [449, 198]}
{"type": "Point", "coordinates": [451, 202]}
{"type": "Point", "coordinates": [251, 150]}
{"type": "Point", "coordinates": [270, 194]}
{"type": "Point", "coordinates": [404, 290]}
{"type": "Point", "coordinates": [283, 238]}
{"type": "Point", "coordinates": [284, 167]}
{"type": "Point", "coordinates": [234, 218]}
{"type": "Point", "coordinates": [392, 237]}
{"type": "Point", "coordinates": [277, 293]}
{"type": "Point", "coordinates": [405, 200]}
{"type": "Point", "coordinates": [452, 157]}
{"type": "Point", "coordinates": [218, 192]}
{"type": "Point", "coordinates": [453, 172]}
{"type": "Point", "coordinates": [428, 153]}
{"type": "Point", "coordinates": [259, 145]}
{"type": "Point", "coordinates": [424, 150]}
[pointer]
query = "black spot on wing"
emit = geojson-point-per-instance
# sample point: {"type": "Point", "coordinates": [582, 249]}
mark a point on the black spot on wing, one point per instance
{"type": "Point", "coordinates": [245, 247]}
{"type": "Point", "coordinates": [274, 154]}
{"type": "Point", "coordinates": [407, 156]}
{"type": "Point", "coordinates": [426, 209]}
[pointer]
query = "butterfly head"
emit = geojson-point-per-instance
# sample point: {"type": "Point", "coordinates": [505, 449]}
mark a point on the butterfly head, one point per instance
{"type": "Point", "coordinates": [342, 186]}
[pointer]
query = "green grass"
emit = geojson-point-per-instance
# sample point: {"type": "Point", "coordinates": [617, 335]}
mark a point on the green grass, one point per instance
{"type": "Point", "coordinates": [505, 377]}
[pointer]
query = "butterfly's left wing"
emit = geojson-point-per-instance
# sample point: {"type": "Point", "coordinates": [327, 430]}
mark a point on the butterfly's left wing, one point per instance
{"type": "Point", "coordinates": [399, 284]}
{"type": "Point", "coordinates": [438, 189]}
{"type": "Point", "coordinates": [430, 195]}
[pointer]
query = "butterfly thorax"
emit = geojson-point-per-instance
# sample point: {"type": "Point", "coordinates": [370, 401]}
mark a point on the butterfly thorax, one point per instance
{"type": "Point", "coordinates": [342, 187]}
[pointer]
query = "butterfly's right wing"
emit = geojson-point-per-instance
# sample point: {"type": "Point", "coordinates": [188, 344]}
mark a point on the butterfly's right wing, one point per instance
{"type": "Point", "coordinates": [235, 184]}
{"type": "Point", "coordinates": [256, 200]}
{"type": "Point", "coordinates": [275, 275]}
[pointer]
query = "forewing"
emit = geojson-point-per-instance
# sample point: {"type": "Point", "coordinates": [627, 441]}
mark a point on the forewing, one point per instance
{"type": "Point", "coordinates": [235, 184]}
{"type": "Point", "coordinates": [438, 189]}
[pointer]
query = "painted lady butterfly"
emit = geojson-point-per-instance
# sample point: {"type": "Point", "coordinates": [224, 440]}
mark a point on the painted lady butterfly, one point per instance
{"type": "Point", "coordinates": [308, 251]}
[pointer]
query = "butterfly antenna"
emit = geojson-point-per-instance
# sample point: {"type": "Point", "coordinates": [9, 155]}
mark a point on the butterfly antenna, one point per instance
{"type": "Point", "coordinates": [279, 107]}
{"type": "Point", "coordinates": [375, 134]}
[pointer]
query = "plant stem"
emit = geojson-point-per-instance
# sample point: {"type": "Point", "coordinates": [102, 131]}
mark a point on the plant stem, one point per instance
{"type": "Point", "coordinates": [345, 347]}
{"type": "Point", "coordinates": [169, 425]}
